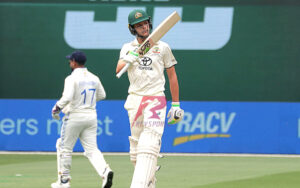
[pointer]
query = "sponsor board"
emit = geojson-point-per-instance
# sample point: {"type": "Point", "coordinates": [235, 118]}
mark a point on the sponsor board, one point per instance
{"type": "Point", "coordinates": [207, 127]}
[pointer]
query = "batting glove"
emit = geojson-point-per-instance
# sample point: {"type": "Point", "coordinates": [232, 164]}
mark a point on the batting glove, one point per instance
{"type": "Point", "coordinates": [175, 114]}
{"type": "Point", "coordinates": [131, 57]}
{"type": "Point", "coordinates": [55, 112]}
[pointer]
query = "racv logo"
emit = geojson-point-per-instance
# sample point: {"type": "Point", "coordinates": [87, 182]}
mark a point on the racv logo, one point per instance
{"type": "Point", "coordinates": [82, 31]}
{"type": "Point", "coordinates": [204, 125]}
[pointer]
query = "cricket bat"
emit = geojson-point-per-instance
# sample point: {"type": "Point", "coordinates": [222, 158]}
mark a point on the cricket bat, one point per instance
{"type": "Point", "coordinates": [155, 36]}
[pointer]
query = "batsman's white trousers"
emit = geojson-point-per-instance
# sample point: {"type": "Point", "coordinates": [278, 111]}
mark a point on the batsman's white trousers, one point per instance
{"type": "Point", "coordinates": [84, 127]}
{"type": "Point", "coordinates": [146, 112]}
{"type": "Point", "coordinates": [147, 118]}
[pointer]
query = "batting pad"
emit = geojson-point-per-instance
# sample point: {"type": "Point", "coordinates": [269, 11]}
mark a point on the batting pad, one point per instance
{"type": "Point", "coordinates": [133, 149]}
{"type": "Point", "coordinates": [147, 153]}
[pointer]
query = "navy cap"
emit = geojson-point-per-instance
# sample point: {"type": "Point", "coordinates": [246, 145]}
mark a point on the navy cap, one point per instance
{"type": "Point", "coordinates": [77, 56]}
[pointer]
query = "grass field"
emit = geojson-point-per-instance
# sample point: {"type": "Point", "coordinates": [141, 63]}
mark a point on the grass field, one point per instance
{"type": "Point", "coordinates": [39, 171]}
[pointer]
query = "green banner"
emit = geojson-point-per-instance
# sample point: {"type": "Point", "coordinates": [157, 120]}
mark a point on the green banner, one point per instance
{"type": "Point", "coordinates": [165, 2]}
{"type": "Point", "coordinates": [225, 52]}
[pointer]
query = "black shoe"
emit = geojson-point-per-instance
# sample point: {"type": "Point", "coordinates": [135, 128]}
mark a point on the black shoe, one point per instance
{"type": "Point", "coordinates": [107, 182]}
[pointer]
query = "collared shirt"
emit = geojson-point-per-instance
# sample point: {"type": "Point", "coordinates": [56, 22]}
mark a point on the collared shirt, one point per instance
{"type": "Point", "coordinates": [146, 77]}
{"type": "Point", "coordinates": [82, 90]}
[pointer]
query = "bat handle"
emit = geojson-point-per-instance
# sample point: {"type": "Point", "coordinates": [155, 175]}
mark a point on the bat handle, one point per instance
{"type": "Point", "coordinates": [124, 69]}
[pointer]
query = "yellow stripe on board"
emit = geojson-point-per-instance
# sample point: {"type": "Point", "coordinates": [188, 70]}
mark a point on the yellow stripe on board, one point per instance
{"type": "Point", "coordinates": [184, 139]}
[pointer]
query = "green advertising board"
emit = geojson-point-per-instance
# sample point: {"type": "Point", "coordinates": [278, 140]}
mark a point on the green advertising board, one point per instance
{"type": "Point", "coordinates": [233, 51]}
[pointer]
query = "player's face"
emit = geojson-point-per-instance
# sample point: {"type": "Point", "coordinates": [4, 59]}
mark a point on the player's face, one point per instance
{"type": "Point", "coordinates": [142, 28]}
{"type": "Point", "coordinates": [72, 64]}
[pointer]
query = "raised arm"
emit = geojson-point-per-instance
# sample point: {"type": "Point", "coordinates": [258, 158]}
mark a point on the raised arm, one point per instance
{"type": "Point", "coordinates": [120, 65]}
{"type": "Point", "coordinates": [127, 57]}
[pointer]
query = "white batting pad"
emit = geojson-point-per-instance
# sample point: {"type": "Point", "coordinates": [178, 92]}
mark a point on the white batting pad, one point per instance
{"type": "Point", "coordinates": [147, 153]}
{"type": "Point", "coordinates": [133, 149]}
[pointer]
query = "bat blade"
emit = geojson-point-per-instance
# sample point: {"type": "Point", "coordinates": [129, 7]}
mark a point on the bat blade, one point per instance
{"type": "Point", "coordinates": [154, 37]}
{"type": "Point", "coordinates": [158, 33]}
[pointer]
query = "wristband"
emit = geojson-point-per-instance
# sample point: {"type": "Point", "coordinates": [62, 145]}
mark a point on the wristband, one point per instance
{"type": "Point", "coordinates": [175, 104]}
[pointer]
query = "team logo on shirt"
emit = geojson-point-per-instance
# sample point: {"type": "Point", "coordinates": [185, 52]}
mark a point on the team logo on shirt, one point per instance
{"type": "Point", "coordinates": [156, 50]}
{"type": "Point", "coordinates": [145, 63]}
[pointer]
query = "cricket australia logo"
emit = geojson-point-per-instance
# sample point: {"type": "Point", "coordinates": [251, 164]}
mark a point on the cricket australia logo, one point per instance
{"type": "Point", "coordinates": [145, 63]}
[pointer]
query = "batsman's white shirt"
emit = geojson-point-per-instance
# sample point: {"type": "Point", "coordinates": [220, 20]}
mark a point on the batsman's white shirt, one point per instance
{"type": "Point", "coordinates": [147, 76]}
{"type": "Point", "coordinates": [81, 92]}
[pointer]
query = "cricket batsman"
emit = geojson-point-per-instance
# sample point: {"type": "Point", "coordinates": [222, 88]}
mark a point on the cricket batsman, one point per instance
{"type": "Point", "coordinates": [146, 102]}
{"type": "Point", "coordinates": [82, 90]}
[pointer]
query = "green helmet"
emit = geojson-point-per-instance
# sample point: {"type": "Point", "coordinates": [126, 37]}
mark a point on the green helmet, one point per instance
{"type": "Point", "coordinates": [137, 16]}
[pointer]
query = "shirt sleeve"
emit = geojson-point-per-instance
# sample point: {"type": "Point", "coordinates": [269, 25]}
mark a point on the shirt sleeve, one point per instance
{"type": "Point", "coordinates": [168, 57]}
{"type": "Point", "coordinates": [68, 93]}
{"type": "Point", "coordinates": [123, 52]}
{"type": "Point", "coordinates": [100, 91]}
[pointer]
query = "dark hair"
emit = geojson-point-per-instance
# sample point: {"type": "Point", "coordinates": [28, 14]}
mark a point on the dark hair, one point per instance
{"type": "Point", "coordinates": [78, 57]}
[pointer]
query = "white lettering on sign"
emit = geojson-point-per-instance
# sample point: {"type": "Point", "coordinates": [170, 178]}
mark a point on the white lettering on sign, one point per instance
{"type": "Point", "coordinates": [81, 31]}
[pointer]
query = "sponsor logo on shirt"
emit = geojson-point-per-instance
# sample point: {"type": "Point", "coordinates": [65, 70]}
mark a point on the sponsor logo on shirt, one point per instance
{"type": "Point", "coordinates": [154, 105]}
{"type": "Point", "coordinates": [145, 63]}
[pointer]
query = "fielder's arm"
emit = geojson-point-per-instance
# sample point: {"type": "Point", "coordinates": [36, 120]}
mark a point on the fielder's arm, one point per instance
{"type": "Point", "coordinates": [65, 99]}
{"type": "Point", "coordinates": [67, 93]}
{"type": "Point", "coordinates": [100, 92]}
{"type": "Point", "coordinates": [173, 82]}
